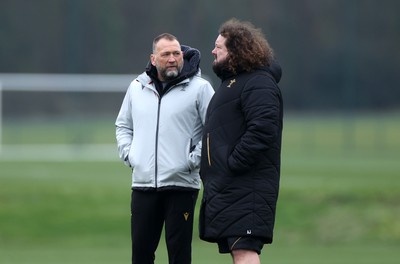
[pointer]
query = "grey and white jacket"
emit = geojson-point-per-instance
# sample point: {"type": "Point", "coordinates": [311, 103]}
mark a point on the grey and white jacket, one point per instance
{"type": "Point", "coordinates": [159, 135]}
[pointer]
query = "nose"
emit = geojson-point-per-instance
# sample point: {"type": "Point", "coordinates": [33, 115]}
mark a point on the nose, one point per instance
{"type": "Point", "coordinates": [171, 58]}
{"type": "Point", "coordinates": [213, 52]}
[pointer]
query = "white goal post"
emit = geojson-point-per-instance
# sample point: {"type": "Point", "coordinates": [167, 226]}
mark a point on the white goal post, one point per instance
{"type": "Point", "coordinates": [32, 82]}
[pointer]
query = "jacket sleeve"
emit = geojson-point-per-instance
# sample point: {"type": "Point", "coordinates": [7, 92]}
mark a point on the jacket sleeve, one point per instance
{"type": "Point", "coordinates": [261, 99]}
{"type": "Point", "coordinates": [204, 97]}
{"type": "Point", "coordinates": [124, 128]}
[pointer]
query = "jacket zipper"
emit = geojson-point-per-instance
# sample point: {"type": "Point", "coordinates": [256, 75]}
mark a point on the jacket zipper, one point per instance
{"type": "Point", "coordinates": [156, 145]}
{"type": "Point", "coordinates": [157, 130]}
{"type": "Point", "coordinates": [208, 149]}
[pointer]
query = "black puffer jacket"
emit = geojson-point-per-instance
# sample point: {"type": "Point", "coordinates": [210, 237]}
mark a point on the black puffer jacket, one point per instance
{"type": "Point", "coordinates": [241, 149]}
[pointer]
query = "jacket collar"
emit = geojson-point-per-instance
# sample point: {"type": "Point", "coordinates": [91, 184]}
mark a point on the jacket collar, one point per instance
{"type": "Point", "coordinates": [273, 69]}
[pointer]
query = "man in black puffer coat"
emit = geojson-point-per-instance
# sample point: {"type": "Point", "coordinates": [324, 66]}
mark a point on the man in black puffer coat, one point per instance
{"type": "Point", "coordinates": [241, 149]}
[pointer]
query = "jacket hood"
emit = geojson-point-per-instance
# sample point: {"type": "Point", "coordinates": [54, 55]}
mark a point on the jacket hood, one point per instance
{"type": "Point", "coordinates": [275, 70]}
{"type": "Point", "coordinates": [191, 65]}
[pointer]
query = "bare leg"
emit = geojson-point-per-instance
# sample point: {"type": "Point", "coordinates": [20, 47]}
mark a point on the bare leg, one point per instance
{"type": "Point", "coordinates": [241, 256]}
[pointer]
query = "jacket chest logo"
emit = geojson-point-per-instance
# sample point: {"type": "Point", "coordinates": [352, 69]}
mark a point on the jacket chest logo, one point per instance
{"type": "Point", "coordinates": [230, 83]}
{"type": "Point", "coordinates": [186, 216]}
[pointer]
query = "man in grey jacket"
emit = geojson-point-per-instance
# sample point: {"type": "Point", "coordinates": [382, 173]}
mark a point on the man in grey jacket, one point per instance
{"type": "Point", "coordinates": [158, 130]}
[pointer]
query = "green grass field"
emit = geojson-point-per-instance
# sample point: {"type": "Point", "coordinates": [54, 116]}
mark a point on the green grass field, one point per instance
{"type": "Point", "coordinates": [339, 201]}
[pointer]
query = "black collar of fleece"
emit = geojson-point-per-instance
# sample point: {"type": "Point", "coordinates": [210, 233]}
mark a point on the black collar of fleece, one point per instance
{"type": "Point", "coordinates": [191, 64]}
{"type": "Point", "coordinates": [274, 69]}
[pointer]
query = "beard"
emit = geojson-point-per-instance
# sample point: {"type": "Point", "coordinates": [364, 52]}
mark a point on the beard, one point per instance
{"type": "Point", "coordinates": [169, 74]}
{"type": "Point", "coordinates": [220, 68]}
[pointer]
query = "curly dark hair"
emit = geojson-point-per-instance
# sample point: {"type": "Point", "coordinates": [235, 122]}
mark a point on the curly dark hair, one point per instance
{"type": "Point", "coordinates": [247, 46]}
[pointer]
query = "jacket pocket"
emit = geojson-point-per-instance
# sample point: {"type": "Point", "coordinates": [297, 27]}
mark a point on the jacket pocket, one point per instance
{"type": "Point", "coordinates": [127, 162]}
{"type": "Point", "coordinates": [191, 159]}
{"type": "Point", "coordinates": [130, 160]}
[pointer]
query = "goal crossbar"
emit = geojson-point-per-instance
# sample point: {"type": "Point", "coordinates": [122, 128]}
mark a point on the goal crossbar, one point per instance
{"type": "Point", "coordinates": [65, 82]}
{"type": "Point", "coordinates": [43, 82]}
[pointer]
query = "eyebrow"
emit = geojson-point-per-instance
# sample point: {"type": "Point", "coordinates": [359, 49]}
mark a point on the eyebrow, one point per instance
{"type": "Point", "coordinates": [175, 51]}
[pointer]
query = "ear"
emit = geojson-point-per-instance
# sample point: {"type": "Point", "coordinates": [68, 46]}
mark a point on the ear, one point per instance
{"type": "Point", "coordinates": [153, 59]}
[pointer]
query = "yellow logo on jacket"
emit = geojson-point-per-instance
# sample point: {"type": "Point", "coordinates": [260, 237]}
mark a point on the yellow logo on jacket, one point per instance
{"type": "Point", "coordinates": [231, 82]}
{"type": "Point", "coordinates": [186, 215]}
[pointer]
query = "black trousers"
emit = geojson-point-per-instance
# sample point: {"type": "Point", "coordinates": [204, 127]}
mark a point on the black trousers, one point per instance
{"type": "Point", "coordinates": [149, 211]}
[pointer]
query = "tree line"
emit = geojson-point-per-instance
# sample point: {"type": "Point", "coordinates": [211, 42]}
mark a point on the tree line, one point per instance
{"type": "Point", "coordinates": [335, 54]}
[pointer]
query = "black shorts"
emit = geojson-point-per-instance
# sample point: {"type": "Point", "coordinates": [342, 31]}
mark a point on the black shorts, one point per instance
{"type": "Point", "coordinates": [247, 243]}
